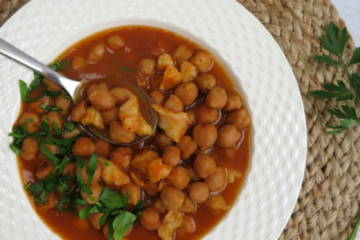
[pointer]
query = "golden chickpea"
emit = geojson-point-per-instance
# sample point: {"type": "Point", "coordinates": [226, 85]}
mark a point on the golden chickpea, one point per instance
{"type": "Point", "coordinates": [119, 134]}
{"type": "Point", "coordinates": [202, 61]}
{"type": "Point", "coordinates": [102, 148]}
{"type": "Point", "coordinates": [172, 198]}
{"type": "Point", "coordinates": [35, 106]}
{"type": "Point", "coordinates": [147, 66]}
{"type": "Point", "coordinates": [204, 165]}
{"type": "Point", "coordinates": [149, 219]}
{"type": "Point", "coordinates": [94, 87]}
{"type": "Point", "coordinates": [215, 203]}
{"type": "Point", "coordinates": [191, 116]}
{"type": "Point", "coordinates": [32, 126]}
{"type": "Point", "coordinates": [151, 188]}
{"type": "Point", "coordinates": [78, 111]}
{"type": "Point", "coordinates": [228, 136]}
{"type": "Point", "coordinates": [51, 86]}
{"type": "Point", "coordinates": [94, 220]}
{"type": "Point", "coordinates": [135, 193]}
{"type": "Point", "coordinates": [205, 135]}
{"type": "Point", "coordinates": [110, 116]}
{"type": "Point", "coordinates": [121, 95]}
{"type": "Point", "coordinates": [204, 114]}
{"type": "Point", "coordinates": [164, 60]}
{"type": "Point", "coordinates": [45, 168]}
{"type": "Point", "coordinates": [188, 71]}
{"type": "Point", "coordinates": [83, 147]}
{"type": "Point", "coordinates": [64, 104]}
{"type": "Point", "coordinates": [84, 174]}
{"type": "Point", "coordinates": [102, 100]}
{"type": "Point", "coordinates": [182, 53]}
{"type": "Point", "coordinates": [179, 177]}
{"type": "Point", "coordinates": [192, 173]}
{"type": "Point", "coordinates": [78, 62]}
{"type": "Point", "coordinates": [29, 149]}
{"type": "Point", "coordinates": [187, 92]}
{"type": "Point", "coordinates": [159, 206]}
{"type": "Point", "coordinates": [188, 205]}
{"type": "Point", "coordinates": [239, 118]}
{"type": "Point", "coordinates": [187, 147]}
{"type": "Point", "coordinates": [171, 156]}
{"type": "Point", "coordinates": [70, 168]}
{"type": "Point", "coordinates": [157, 97]}
{"type": "Point", "coordinates": [51, 201]}
{"type": "Point", "coordinates": [174, 104]}
{"type": "Point", "coordinates": [187, 226]}
{"type": "Point", "coordinates": [96, 191]}
{"type": "Point", "coordinates": [233, 102]}
{"type": "Point", "coordinates": [162, 141]}
{"type": "Point", "coordinates": [115, 42]}
{"type": "Point", "coordinates": [216, 98]}
{"type": "Point", "coordinates": [96, 53]}
{"type": "Point", "coordinates": [76, 131]}
{"type": "Point", "coordinates": [54, 117]}
{"type": "Point", "coordinates": [205, 82]}
{"type": "Point", "coordinates": [217, 180]}
{"type": "Point", "coordinates": [198, 192]}
{"type": "Point", "coordinates": [121, 156]}
{"type": "Point", "coordinates": [52, 148]}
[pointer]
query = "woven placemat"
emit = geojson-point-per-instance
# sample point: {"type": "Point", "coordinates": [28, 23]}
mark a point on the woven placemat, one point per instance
{"type": "Point", "coordinates": [328, 203]}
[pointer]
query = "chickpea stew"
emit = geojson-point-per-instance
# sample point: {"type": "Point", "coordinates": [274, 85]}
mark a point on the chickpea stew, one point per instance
{"type": "Point", "coordinates": [177, 184]}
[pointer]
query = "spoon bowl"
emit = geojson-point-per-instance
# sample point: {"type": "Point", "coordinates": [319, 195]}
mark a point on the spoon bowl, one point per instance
{"type": "Point", "coordinates": [73, 88]}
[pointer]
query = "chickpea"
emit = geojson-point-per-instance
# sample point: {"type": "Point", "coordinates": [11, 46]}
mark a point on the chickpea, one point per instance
{"type": "Point", "coordinates": [204, 165]}
{"type": "Point", "coordinates": [171, 156]}
{"type": "Point", "coordinates": [239, 118]}
{"type": "Point", "coordinates": [96, 191]}
{"type": "Point", "coordinates": [94, 87]}
{"type": "Point", "coordinates": [147, 66]}
{"type": "Point", "coordinates": [51, 86]}
{"type": "Point", "coordinates": [205, 82]}
{"type": "Point", "coordinates": [110, 116]}
{"type": "Point", "coordinates": [45, 168]}
{"type": "Point", "coordinates": [204, 114]}
{"type": "Point", "coordinates": [78, 111]}
{"type": "Point", "coordinates": [106, 231]}
{"type": "Point", "coordinates": [29, 149]}
{"type": "Point", "coordinates": [202, 61]}
{"type": "Point", "coordinates": [51, 201]}
{"type": "Point", "coordinates": [151, 188]}
{"type": "Point", "coordinates": [215, 202]}
{"type": "Point", "coordinates": [115, 42]}
{"type": "Point", "coordinates": [164, 60]}
{"type": "Point", "coordinates": [174, 104]}
{"type": "Point", "coordinates": [198, 192]}
{"type": "Point", "coordinates": [135, 193]}
{"type": "Point", "coordinates": [70, 168]}
{"type": "Point", "coordinates": [52, 148]}
{"type": "Point", "coordinates": [96, 53]}
{"type": "Point", "coordinates": [83, 147]}
{"type": "Point", "coordinates": [121, 95]}
{"type": "Point", "coordinates": [187, 92]}
{"type": "Point", "coordinates": [217, 180]}
{"type": "Point", "coordinates": [119, 134]}
{"type": "Point", "coordinates": [179, 177]}
{"type": "Point", "coordinates": [149, 219]}
{"type": "Point", "coordinates": [182, 53]}
{"type": "Point", "coordinates": [233, 102]}
{"type": "Point", "coordinates": [187, 147]}
{"type": "Point", "coordinates": [78, 62]}
{"type": "Point", "coordinates": [35, 106]}
{"type": "Point", "coordinates": [159, 206]}
{"type": "Point", "coordinates": [102, 148]}
{"type": "Point", "coordinates": [187, 226]}
{"type": "Point", "coordinates": [94, 220]}
{"type": "Point", "coordinates": [191, 116]}
{"type": "Point", "coordinates": [136, 180]}
{"type": "Point", "coordinates": [64, 104]}
{"type": "Point", "coordinates": [32, 126]}
{"type": "Point", "coordinates": [172, 198]}
{"type": "Point", "coordinates": [157, 97]}
{"type": "Point", "coordinates": [228, 135]}
{"type": "Point", "coordinates": [54, 117]}
{"type": "Point", "coordinates": [84, 174]}
{"type": "Point", "coordinates": [102, 100]}
{"type": "Point", "coordinates": [188, 205]}
{"type": "Point", "coordinates": [188, 71]}
{"type": "Point", "coordinates": [192, 173]}
{"type": "Point", "coordinates": [205, 135]}
{"type": "Point", "coordinates": [121, 156]}
{"type": "Point", "coordinates": [216, 98]}
{"type": "Point", "coordinates": [162, 141]}
{"type": "Point", "coordinates": [76, 131]}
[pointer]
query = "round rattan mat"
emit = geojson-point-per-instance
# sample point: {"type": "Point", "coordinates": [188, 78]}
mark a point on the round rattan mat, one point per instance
{"type": "Point", "coordinates": [328, 203]}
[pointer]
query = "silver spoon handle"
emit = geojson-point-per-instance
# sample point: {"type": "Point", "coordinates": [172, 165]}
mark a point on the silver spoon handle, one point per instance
{"type": "Point", "coordinates": [14, 53]}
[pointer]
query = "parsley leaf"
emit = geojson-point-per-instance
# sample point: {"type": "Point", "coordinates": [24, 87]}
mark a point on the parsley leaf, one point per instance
{"type": "Point", "coordinates": [326, 59]}
{"type": "Point", "coordinates": [85, 213]}
{"type": "Point", "coordinates": [122, 223]}
{"type": "Point", "coordinates": [69, 127]}
{"type": "Point", "coordinates": [51, 182]}
{"type": "Point", "coordinates": [91, 168]}
{"type": "Point", "coordinates": [113, 199]}
{"type": "Point", "coordinates": [34, 84]}
{"type": "Point", "coordinates": [340, 92]}
{"type": "Point", "coordinates": [62, 64]}
{"type": "Point", "coordinates": [43, 106]}
{"type": "Point", "coordinates": [335, 40]}
{"type": "Point", "coordinates": [24, 92]}
{"type": "Point", "coordinates": [355, 57]}
{"type": "Point", "coordinates": [49, 155]}
{"type": "Point", "coordinates": [128, 69]}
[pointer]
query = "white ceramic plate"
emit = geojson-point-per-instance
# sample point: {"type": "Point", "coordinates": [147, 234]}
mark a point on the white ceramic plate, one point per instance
{"type": "Point", "coordinates": [45, 28]}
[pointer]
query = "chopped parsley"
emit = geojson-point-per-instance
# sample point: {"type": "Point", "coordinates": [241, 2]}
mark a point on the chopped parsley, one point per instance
{"type": "Point", "coordinates": [128, 69]}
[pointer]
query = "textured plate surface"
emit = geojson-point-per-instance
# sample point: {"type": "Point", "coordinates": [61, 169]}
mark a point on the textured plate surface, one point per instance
{"type": "Point", "coordinates": [45, 28]}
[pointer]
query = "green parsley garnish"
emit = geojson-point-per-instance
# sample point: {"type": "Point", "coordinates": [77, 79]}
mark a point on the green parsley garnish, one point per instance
{"type": "Point", "coordinates": [128, 69]}
{"type": "Point", "coordinates": [43, 106]}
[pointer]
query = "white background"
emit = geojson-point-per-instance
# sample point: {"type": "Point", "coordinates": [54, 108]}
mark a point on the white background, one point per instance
{"type": "Point", "coordinates": [349, 11]}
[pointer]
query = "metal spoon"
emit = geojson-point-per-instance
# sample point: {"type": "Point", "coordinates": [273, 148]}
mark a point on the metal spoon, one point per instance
{"type": "Point", "coordinates": [73, 87]}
